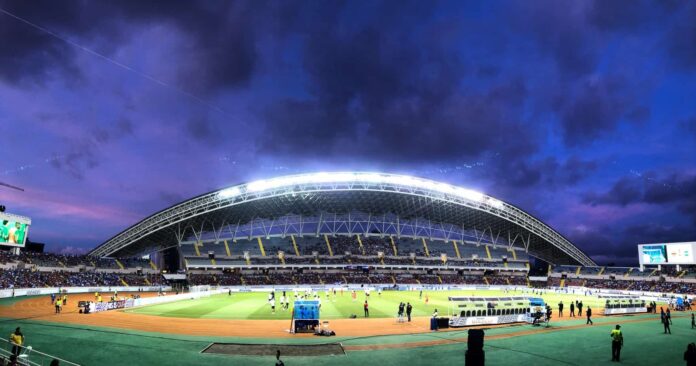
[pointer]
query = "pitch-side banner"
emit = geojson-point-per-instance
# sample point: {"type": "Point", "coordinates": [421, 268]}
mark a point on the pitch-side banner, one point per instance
{"type": "Point", "coordinates": [625, 311]}
{"type": "Point", "coordinates": [488, 320]}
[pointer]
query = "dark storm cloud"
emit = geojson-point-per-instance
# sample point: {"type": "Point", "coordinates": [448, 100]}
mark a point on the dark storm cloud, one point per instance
{"type": "Point", "coordinates": [560, 31]}
{"type": "Point", "coordinates": [597, 107]}
{"type": "Point", "coordinates": [674, 190]}
{"type": "Point", "coordinates": [530, 99]}
{"type": "Point", "coordinates": [390, 94]}
{"type": "Point", "coordinates": [202, 129]}
{"type": "Point", "coordinates": [680, 40]}
{"type": "Point", "coordinates": [629, 15]}
{"type": "Point", "coordinates": [221, 51]}
{"type": "Point", "coordinates": [618, 244]}
{"type": "Point", "coordinates": [625, 191]}
{"type": "Point", "coordinates": [689, 125]}
{"type": "Point", "coordinates": [549, 172]}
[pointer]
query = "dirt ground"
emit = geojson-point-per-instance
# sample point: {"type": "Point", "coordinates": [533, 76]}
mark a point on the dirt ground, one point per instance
{"type": "Point", "coordinates": [40, 308]}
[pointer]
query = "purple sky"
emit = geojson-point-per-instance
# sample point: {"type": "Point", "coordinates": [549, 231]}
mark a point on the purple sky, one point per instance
{"type": "Point", "coordinates": [582, 113]}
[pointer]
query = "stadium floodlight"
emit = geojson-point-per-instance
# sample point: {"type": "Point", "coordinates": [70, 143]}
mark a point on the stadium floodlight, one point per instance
{"type": "Point", "coordinates": [230, 192]}
{"type": "Point", "coordinates": [358, 177]}
{"type": "Point", "coordinates": [495, 203]}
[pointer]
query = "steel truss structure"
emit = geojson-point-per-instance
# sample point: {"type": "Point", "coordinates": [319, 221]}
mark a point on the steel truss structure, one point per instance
{"type": "Point", "coordinates": [398, 203]}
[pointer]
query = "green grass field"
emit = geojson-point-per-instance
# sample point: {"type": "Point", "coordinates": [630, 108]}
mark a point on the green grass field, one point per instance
{"type": "Point", "coordinates": [569, 342]}
{"type": "Point", "coordinates": [254, 305]}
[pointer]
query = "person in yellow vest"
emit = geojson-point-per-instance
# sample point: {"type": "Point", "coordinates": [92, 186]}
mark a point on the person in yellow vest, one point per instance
{"type": "Point", "coordinates": [99, 299]}
{"type": "Point", "coordinates": [59, 303]}
{"type": "Point", "coordinates": [96, 295]}
{"type": "Point", "coordinates": [16, 339]}
{"type": "Point", "coordinates": [616, 343]}
{"type": "Point", "coordinates": [65, 300]}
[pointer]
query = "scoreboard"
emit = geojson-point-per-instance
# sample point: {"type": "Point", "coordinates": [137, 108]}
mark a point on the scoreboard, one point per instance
{"type": "Point", "coordinates": [14, 229]}
{"type": "Point", "coordinates": [667, 253]}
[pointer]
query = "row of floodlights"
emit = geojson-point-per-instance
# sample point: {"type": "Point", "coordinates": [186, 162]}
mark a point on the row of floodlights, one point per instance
{"type": "Point", "coordinates": [372, 178]}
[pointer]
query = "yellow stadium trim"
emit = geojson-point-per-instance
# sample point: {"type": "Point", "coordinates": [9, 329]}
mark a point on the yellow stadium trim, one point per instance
{"type": "Point", "coordinates": [227, 249]}
{"type": "Point", "coordinates": [328, 244]}
{"type": "Point", "coordinates": [120, 265]}
{"type": "Point", "coordinates": [195, 247]}
{"type": "Point", "coordinates": [263, 252]}
{"type": "Point", "coordinates": [362, 249]}
{"type": "Point", "coordinates": [514, 254]}
{"type": "Point", "coordinates": [577, 271]}
{"type": "Point", "coordinates": [391, 239]}
{"type": "Point", "coordinates": [488, 252]}
{"type": "Point", "coordinates": [456, 248]}
{"type": "Point", "coordinates": [425, 246]}
{"type": "Point", "coordinates": [123, 282]}
{"type": "Point", "coordinates": [294, 245]}
{"type": "Point", "coordinates": [153, 265]}
{"type": "Point", "coordinates": [212, 261]}
{"type": "Point", "coordinates": [601, 270]}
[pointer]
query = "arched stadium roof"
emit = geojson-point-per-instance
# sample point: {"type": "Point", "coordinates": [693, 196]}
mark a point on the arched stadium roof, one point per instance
{"type": "Point", "coordinates": [398, 199]}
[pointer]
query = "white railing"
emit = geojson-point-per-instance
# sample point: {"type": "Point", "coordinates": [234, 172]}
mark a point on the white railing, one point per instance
{"type": "Point", "coordinates": [28, 356]}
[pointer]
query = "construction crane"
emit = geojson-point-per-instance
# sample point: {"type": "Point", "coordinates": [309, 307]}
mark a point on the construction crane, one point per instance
{"type": "Point", "coordinates": [11, 186]}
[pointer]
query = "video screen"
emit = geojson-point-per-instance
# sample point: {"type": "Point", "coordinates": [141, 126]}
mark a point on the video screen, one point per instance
{"type": "Point", "coordinates": [13, 233]}
{"type": "Point", "coordinates": [654, 254]}
{"type": "Point", "coordinates": [680, 253]}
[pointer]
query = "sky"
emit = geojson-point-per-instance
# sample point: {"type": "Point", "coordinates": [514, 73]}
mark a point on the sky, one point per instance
{"type": "Point", "coordinates": [582, 113]}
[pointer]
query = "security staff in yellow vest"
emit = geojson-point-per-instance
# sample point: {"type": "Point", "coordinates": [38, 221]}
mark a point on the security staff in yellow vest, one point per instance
{"type": "Point", "coordinates": [16, 339]}
{"type": "Point", "coordinates": [616, 343]}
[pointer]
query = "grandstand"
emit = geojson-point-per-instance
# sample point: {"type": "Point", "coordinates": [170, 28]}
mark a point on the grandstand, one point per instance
{"type": "Point", "coordinates": [318, 235]}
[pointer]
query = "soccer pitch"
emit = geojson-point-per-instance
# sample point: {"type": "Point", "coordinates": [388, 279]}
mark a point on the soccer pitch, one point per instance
{"type": "Point", "coordinates": [254, 305]}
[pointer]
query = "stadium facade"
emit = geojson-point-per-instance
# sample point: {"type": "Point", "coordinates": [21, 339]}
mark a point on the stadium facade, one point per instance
{"type": "Point", "coordinates": [350, 204]}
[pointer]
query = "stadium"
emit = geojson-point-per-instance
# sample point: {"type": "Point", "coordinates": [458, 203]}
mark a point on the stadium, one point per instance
{"type": "Point", "coordinates": [391, 267]}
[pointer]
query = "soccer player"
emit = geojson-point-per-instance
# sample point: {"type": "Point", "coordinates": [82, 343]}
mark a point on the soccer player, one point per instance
{"type": "Point", "coordinates": [426, 299]}
{"type": "Point", "coordinates": [367, 310]}
{"type": "Point", "coordinates": [693, 321]}
{"type": "Point", "coordinates": [616, 343]}
{"type": "Point", "coordinates": [4, 231]}
{"type": "Point", "coordinates": [572, 310]}
{"type": "Point", "coordinates": [272, 302]}
{"type": "Point", "coordinates": [12, 234]}
{"type": "Point", "coordinates": [560, 309]}
{"type": "Point", "coordinates": [589, 316]}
